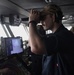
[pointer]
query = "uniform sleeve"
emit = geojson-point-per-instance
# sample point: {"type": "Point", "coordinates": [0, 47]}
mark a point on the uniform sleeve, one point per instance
{"type": "Point", "coordinates": [51, 44]}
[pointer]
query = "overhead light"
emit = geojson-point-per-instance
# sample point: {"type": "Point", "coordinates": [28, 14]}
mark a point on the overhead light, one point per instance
{"type": "Point", "coordinates": [48, 1]}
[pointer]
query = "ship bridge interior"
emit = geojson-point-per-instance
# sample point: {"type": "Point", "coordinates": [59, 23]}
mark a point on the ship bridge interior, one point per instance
{"type": "Point", "coordinates": [14, 16]}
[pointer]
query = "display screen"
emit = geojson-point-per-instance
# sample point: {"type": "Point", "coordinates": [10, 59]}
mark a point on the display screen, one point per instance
{"type": "Point", "coordinates": [13, 45]}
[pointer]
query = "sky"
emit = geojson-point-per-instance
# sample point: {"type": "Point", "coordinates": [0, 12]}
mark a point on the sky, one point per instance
{"type": "Point", "coordinates": [17, 31]}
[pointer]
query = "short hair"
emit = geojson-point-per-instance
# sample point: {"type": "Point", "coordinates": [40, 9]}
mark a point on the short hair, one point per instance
{"type": "Point", "coordinates": [53, 9]}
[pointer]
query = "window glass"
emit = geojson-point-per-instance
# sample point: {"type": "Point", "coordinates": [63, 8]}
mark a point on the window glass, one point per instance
{"type": "Point", "coordinates": [2, 33]}
{"type": "Point", "coordinates": [20, 30]}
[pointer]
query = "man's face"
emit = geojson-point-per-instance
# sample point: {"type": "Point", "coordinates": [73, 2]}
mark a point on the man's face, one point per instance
{"type": "Point", "coordinates": [47, 23]}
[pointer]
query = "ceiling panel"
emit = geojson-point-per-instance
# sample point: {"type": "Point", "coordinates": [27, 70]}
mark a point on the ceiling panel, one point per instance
{"type": "Point", "coordinates": [22, 7]}
{"type": "Point", "coordinates": [66, 5]}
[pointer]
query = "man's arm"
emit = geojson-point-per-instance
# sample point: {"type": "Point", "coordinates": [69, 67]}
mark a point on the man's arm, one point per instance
{"type": "Point", "coordinates": [36, 43]}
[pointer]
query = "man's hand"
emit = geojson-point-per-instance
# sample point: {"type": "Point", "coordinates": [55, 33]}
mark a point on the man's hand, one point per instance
{"type": "Point", "coordinates": [34, 15]}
